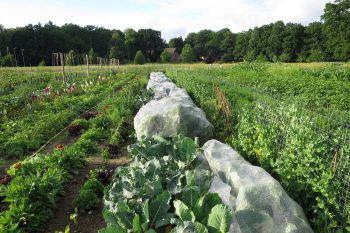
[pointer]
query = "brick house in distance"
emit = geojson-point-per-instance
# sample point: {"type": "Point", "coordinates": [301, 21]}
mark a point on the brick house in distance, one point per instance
{"type": "Point", "coordinates": [175, 56]}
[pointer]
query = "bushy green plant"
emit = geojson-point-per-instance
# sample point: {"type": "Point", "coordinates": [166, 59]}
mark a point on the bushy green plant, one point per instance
{"type": "Point", "coordinates": [165, 57]}
{"type": "Point", "coordinates": [7, 60]}
{"type": "Point", "coordinates": [139, 58]}
{"type": "Point", "coordinates": [32, 198]}
{"type": "Point", "coordinates": [104, 121]}
{"type": "Point", "coordinates": [41, 63]}
{"type": "Point", "coordinates": [187, 54]}
{"type": "Point", "coordinates": [85, 124]}
{"type": "Point", "coordinates": [89, 194]}
{"type": "Point", "coordinates": [170, 192]}
{"type": "Point", "coordinates": [86, 146]}
{"type": "Point", "coordinates": [94, 134]}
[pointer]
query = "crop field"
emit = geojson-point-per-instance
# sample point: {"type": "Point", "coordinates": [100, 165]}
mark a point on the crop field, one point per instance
{"type": "Point", "coordinates": [292, 120]}
{"type": "Point", "coordinates": [72, 158]}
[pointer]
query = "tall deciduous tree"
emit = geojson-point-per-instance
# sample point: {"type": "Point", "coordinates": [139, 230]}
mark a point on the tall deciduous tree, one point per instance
{"type": "Point", "coordinates": [327, 40]}
{"type": "Point", "coordinates": [177, 43]}
{"type": "Point", "coordinates": [241, 45]}
{"type": "Point", "coordinates": [187, 54]}
{"type": "Point", "coordinates": [227, 46]}
{"type": "Point", "coordinates": [150, 43]}
{"type": "Point", "coordinates": [131, 42]}
{"type": "Point", "coordinates": [275, 40]}
{"type": "Point", "coordinates": [117, 46]}
{"type": "Point", "coordinates": [314, 44]}
{"type": "Point", "coordinates": [292, 42]}
{"type": "Point", "coordinates": [337, 29]}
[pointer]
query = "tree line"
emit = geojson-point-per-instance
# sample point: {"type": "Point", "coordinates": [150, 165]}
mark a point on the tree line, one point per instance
{"type": "Point", "coordinates": [326, 40]}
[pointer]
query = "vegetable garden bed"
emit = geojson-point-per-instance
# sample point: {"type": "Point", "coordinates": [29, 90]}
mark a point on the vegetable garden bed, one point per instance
{"type": "Point", "coordinates": [38, 182]}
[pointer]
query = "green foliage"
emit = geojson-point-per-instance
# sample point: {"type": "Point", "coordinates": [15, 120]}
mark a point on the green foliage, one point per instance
{"type": "Point", "coordinates": [42, 63]}
{"type": "Point", "coordinates": [89, 194]}
{"type": "Point", "coordinates": [94, 134]}
{"type": "Point", "coordinates": [177, 43]}
{"type": "Point", "coordinates": [315, 43]}
{"type": "Point", "coordinates": [227, 57]}
{"type": "Point", "coordinates": [160, 177]}
{"type": "Point", "coordinates": [71, 58]}
{"type": "Point", "coordinates": [35, 189]}
{"type": "Point", "coordinates": [81, 122]}
{"type": "Point", "coordinates": [105, 156]}
{"type": "Point", "coordinates": [139, 58]}
{"type": "Point", "coordinates": [92, 56]}
{"type": "Point", "coordinates": [31, 200]}
{"type": "Point", "coordinates": [295, 41]}
{"type": "Point", "coordinates": [316, 56]}
{"type": "Point", "coordinates": [28, 124]}
{"type": "Point", "coordinates": [114, 52]}
{"type": "Point", "coordinates": [6, 60]}
{"type": "Point", "coordinates": [337, 29]}
{"type": "Point", "coordinates": [296, 143]}
{"type": "Point", "coordinates": [285, 57]}
{"type": "Point", "coordinates": [165, 57]}
{"type": "Point", "coordinates": [184, 213]}
{"type": "Point", "coordinates": [118, 48]}
{"type": "Point", "coordinates": [220, 218]}
{"type": "Point", "coordinates": [187, 54]}
{"type": "Point", "coordinates": [87, 146]}
{"type": "Point", "coordinates": [39, 181]}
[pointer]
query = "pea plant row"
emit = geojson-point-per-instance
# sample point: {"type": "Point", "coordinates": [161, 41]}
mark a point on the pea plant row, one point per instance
{"type": "Point", "coordinates": [306, 150]}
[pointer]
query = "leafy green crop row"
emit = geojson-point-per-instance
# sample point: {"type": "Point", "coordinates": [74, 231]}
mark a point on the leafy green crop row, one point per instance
{"type": "Point", "coordinates": [38, 182]}
{"type": "Point", "coordinates": [307, 152]}
{"type": "Point", "coordinates": [34, 191]}
{"type": "Point", "coordinates": [18, 137]}
{"type": "Point", "coordinates": [319, 87]}
{"type": "Point", "coordinates": [161, 191]}
{"type": "Point", "coordinates": [90, 194]}
{"type": "Point", "coordinates": [42, 89]}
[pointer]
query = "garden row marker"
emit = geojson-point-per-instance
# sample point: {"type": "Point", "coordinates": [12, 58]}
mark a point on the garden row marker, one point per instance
{"type": "Point", "coordinates": [87, 64]}
{"type": "Point", "coordinates": [62, 65]}
{"type": "Point", "coordinates": [24, 63]}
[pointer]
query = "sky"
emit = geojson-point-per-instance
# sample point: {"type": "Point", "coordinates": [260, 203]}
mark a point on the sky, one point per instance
{"type": "Point", "coordinates": [172, 17]}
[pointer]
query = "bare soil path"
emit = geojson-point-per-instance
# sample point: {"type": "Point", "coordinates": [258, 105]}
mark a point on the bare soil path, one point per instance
{"type": "Point", "coordinates": [90, 222]}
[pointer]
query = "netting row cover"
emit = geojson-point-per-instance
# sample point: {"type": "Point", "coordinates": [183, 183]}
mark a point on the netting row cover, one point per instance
{"type": "Point", "coordinates": [259, 202]}
{"type": "Point", "coordinates": [170, 113]}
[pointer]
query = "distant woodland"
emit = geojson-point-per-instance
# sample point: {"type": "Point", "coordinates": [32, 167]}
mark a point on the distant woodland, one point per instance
{"type": "Point", "coordinates": [326, 40]}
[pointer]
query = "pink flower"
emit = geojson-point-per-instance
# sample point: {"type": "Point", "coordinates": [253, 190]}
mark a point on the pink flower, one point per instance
{"type": "Point", "coordinates": [47, 90]}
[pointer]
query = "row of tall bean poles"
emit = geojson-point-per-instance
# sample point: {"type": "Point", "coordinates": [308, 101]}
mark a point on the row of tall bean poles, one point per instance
{"type": "Point", "coordinates": [59, 60]}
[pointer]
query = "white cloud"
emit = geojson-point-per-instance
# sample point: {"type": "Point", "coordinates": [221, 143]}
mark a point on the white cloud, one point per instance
{"type": "Point", "coordinates": [173, 18]}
